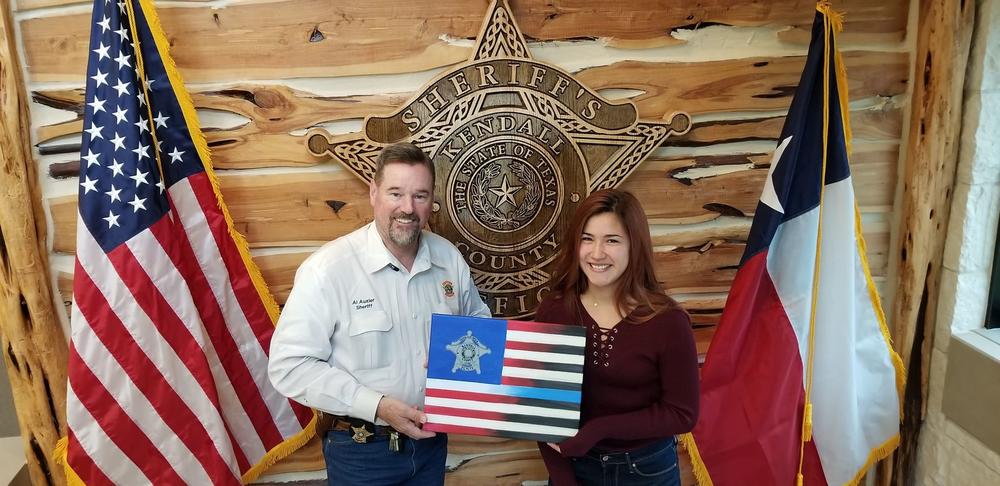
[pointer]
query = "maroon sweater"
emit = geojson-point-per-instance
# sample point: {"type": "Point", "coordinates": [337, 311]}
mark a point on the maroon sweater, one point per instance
{"type": "Point", "coordinates": [640, 384]}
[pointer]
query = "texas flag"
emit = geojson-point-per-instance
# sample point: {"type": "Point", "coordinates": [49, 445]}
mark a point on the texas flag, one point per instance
{"type": "Point", "coordinates": [800, 380]}
{"type": "Point", "coordinates": [502, 378]}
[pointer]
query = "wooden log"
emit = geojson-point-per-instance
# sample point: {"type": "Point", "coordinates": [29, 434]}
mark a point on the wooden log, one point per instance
{"type": "Point", "coordinates": [705, 313]}
{"type": "Point", "coordinates": [703, 267]}
{"type": "Point", "coordinates": [308, 209]}
{"type": "Point", "coordinates": [31, 337]}
{"type": "Point", "coordinates": [764, 83]}
{"type": "Point", "coordinates": [303, 38]}
{"type": "Point", "coordinates": [510, 469]}
{"type": "Point", "coordinates": [943, 41]}
{"type": "Point", "coordinates": [277, 115]}
{"type": "Point", "coordinates": [715, 84]}
{"type": "Point", "coordinates": [868, 125]}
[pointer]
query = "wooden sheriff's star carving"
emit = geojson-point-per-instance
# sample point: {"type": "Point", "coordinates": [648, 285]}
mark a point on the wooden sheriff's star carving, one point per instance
{"type": "Point", "coordinates": [517, 144]}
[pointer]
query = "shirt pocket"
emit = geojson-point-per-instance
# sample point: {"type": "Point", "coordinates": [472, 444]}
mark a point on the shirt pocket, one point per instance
{"type": "Point", "coordinates": [447, 307]}
{"type": "Point", "coordinates": [372, 339]}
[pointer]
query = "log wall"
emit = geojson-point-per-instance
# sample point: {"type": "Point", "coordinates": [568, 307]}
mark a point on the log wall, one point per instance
{"type": "Point", "coordinates": [262, 72]}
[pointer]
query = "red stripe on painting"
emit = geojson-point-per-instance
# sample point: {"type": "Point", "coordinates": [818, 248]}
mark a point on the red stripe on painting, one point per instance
{"type": "Point", "coordinates": [465, 412]}
{"type": "Point", "coordinates": [512, 380]}
{"type": "Point", "coordinates": [526, 363]}
{"type": "Point", "coordinates": [534, 383]}
{"type": "Point", "coordinates": [523, 346]}
{"type": "Point", "coordinates": [459, 429]}
{"type": "Point", "coordinates": [464, 395]}
{"type": "Point", "coordinates": [546, 328]}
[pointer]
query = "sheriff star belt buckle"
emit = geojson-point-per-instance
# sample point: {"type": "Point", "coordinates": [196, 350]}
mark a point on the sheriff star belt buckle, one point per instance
{"type": "Point", "coordinates": [361, 434]}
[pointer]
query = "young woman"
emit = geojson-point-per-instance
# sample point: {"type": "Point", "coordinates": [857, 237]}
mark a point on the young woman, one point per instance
{"type": "Point", "coordinates": [640, 384]}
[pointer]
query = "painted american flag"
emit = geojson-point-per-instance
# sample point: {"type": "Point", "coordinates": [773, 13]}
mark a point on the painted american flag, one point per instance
{"type": "Point", "coordinates": [171, 321]}
{"type": "Point", "coordinates": [501, 378]}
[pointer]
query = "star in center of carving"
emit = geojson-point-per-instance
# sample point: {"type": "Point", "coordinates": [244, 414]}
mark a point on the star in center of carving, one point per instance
{"type": "Point", "coordinates": [505, 193]}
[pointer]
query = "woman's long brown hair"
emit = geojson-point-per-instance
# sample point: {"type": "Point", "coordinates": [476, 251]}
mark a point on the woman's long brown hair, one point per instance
{"type": "Point", "coordinates": [639, 295]}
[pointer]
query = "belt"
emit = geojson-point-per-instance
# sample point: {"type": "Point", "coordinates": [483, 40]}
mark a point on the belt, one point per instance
{"type": "Point", "coordinates": [362, 431]}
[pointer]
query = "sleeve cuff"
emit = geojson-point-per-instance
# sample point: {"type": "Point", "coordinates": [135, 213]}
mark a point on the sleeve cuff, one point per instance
{"type": "Point", "coordinates": [365, 404]}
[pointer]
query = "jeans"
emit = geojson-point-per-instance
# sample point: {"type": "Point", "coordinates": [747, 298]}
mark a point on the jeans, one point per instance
{"type": "Point", "coordinates": [652, 465]}
{"type": "Point", "coordinates": [418, 463]}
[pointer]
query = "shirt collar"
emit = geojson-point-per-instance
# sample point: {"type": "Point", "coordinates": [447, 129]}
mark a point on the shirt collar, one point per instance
{"type": "Point", "coordinates": [377, 256]}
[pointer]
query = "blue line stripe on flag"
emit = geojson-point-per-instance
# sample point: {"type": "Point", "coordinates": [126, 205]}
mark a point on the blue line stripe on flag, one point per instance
{"type": "Point", "coordinates": [508, 390]}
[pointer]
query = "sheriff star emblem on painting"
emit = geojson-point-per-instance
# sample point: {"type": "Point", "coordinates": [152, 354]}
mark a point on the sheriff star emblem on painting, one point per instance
{"type": "Point", "coordinates": [468, 349]}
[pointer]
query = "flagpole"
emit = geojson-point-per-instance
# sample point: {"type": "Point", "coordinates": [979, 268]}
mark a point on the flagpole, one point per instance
{"type": "Point", "coordinates": [290, 444]}
{"type": "Point", "coordinates": [140, 71]}
{"type": "Point", "coordinates": [824, 8]}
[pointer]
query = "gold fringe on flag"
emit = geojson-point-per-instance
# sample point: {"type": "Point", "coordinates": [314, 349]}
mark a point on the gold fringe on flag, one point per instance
{"type": "Point", "coordinates": [701, 475]}
{"type": "Point", "coordinates": [292, 444]}
{"type": "Point", "coordinates": [59, 453]}
{"type": "Point", "coordinates": [295, 442]}
{"type": "Point", "coordinates": [835, 22]}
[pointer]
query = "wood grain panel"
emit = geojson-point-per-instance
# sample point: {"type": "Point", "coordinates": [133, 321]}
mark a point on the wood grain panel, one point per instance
{"type": "Point", "coordinates": [296, 38]}
{"type": "Point", "coordinates": [703, 268]}
{"type": "Point", "coordinates": [276, 112]}
{"type": "Point", "coordinates": [760, 83]}
{"type": "Point", "coordinates": [310, 208]}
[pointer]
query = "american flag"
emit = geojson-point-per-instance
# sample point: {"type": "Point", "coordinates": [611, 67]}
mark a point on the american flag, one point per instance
{"type": "Point", "coordinates": [504, 378]}
{"type": "Point", "coordinates": [171, 320]}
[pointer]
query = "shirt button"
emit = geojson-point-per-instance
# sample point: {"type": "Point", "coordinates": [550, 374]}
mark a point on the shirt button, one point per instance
{"type": "Point", "coordinates": [604, 458]}
{"type": "Point", "coordinates": [414, 316]}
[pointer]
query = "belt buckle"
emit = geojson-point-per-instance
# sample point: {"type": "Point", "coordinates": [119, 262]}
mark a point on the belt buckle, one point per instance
{"type": "Point", "coordinates": [361, 434]}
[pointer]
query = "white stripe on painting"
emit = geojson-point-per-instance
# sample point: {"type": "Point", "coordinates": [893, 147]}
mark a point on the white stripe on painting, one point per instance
{"type": "Point", "coordinates": [576, 359]}
{"type": "Point", "coordinates": [562, 376]}
{"type": "Point", "coordinates": [498, 425]}
{"type": "Point", "coordinates": [543, 338]}
{"type": "Point", "coordinates": [209, 258]}
{"type": "Point", "coordinates": [502, 407]}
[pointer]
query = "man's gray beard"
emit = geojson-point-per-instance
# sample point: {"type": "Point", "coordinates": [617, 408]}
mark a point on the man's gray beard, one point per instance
{"type": "Point", "coordinates": [403, 238]}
